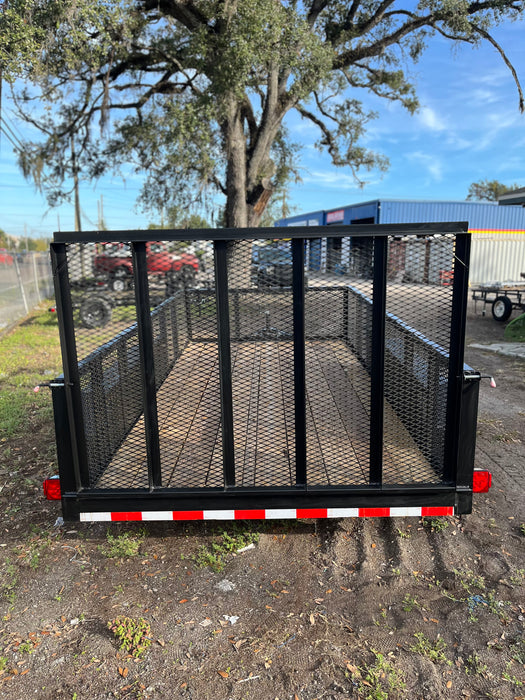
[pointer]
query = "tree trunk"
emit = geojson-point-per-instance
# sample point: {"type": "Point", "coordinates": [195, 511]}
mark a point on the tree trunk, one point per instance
{"type": "Point", "coordinates": [240, 252]}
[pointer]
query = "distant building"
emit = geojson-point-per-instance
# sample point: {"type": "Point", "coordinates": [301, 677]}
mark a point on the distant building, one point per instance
{"type": "Point", "coordinates": [514, 197]}
{"type": "Point", "coordinates": [498, 230]}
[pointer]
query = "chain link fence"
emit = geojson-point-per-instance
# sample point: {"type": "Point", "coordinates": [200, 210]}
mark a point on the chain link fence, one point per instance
{"type": "Point", "coordinates": [25, 281]}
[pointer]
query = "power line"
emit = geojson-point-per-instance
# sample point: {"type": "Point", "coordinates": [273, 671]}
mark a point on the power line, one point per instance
{"type": "Point", "coordinates": [8, 137]}
{"type": "Point", "coordinates": [10, 129]}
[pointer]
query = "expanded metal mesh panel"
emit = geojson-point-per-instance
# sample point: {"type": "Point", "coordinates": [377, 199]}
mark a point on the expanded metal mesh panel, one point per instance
{"type": "Point", "coordinates": [338, 331]}
{"type": "Point", "coordinates": [236, 352]}
{"type": "Point", "coordinates": [417, 339]}
{"type": "Point", "coordinates": [261, 325]}
{"type": "Point", "coordinates": [187, 377]}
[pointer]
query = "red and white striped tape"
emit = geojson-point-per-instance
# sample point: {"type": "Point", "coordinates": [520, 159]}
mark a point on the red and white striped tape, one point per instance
{"type": "Point", "coordinates": [268, 514]}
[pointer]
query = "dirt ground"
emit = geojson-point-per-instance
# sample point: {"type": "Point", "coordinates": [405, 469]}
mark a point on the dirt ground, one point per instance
{"type": "Point", "coordinates": [377, 608]}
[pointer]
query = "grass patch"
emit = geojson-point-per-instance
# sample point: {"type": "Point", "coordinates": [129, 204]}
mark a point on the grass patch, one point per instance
{"type": "Point", "coordinates": [435, 651]}
{"type": "Point", "coordinates": [435, 524]}
{"type": "Point", "coordinates": [29, 355]}
{"type": "Point", "coordinates": [122, 546]}
{"type": "Point", "coordinates": [379, 680]}
{"type": "Point", "coordinates": [133, 635]}
{"type": "Point", "coordinates": [215, 554]}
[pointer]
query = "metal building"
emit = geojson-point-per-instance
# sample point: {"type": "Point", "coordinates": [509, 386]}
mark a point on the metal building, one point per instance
{"type": "Point", "coordinates": [498, 234]}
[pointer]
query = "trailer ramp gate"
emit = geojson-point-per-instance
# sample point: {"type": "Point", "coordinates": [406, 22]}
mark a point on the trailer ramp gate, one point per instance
{"type": "Point", "coordinates": [302, 372]}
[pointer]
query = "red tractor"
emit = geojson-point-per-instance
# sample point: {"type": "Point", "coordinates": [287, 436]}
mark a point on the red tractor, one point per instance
{"type": "Point", "coordinates": [114, 261]}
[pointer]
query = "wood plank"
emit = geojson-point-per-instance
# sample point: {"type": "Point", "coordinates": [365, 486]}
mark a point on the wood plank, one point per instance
{"type": "Point", "coordinates": [187, 443]}
{"type": "Point", "coordinates": [272, 464]}
{"type": "Point", "coordinates": [355, 421]}
{"type": "Point", "coordinates": [403, 461]}
{"type": "Point", "coordinates": [338, 414]}
{"type": "Point", "coordinates": [245, 380]}
{"type": "Point", "coordinates": [340, 460]}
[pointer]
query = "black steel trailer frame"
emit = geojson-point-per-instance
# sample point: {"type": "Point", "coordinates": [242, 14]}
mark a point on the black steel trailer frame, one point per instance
{"type": "Point", "coordinates": [83, 498]}
{"type": "Point", "coordinates": [503, 300]}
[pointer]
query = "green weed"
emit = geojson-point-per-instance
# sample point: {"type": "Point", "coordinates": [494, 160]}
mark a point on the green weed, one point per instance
{"type": "Point", "coordinates": [9, 582]}
{"type": "Point", "coordinates": [475, 665]}
{"type": "Point", "coordinates": [214, 555]}
{"type": "Point", "coordinates": [122, 546]}
{"type": "Point", "coordinates": [133, 635]}
{"type": "Point", "coordinates": [435, 524]}
{"type": "Point", "coordinates": [409, 603]}
{"type": "Point", "coordinates": [379, 680]}
{"type": "Point", "coordinates": [435, 651]}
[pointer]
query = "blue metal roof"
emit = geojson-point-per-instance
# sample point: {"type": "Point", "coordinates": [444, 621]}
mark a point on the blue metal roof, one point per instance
{"type": "Point", "coordinates": [481, 216]}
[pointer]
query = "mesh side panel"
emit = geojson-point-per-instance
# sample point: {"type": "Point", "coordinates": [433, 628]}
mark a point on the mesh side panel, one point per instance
{"type": "Point", "coordinates": [417, 337]}
{"type": "Point", "coordinates": [106, 337]}
{"type": "Point", "coordinates": [261, 325]}
{"type": "Point", "coordinates": [338, 331]}
{"type": "Point", "coordinates": [187, 373]}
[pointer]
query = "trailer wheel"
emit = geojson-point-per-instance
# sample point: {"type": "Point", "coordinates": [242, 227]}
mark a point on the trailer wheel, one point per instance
{"type": "Point", "coordinates": [119, 280]}
{"type": "Point", "coordinates": [95, 312]}
{"type": "Point", "coordinates": [501, 308]}
{"type": "Point", "coordinates": [188, 275]}
{"type": "Point", "coordinates": [173, 282]}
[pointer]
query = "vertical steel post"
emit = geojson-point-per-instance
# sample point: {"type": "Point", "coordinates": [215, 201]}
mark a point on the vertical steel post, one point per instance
{"type": "Point", "coordinates": [377, 374]}
{"type": "Point", "coordinates": [299, 364]}
{"type": "Point", "coordinates": [456, 352]}
{"type": "Point", "coordinates": [225, 368]}
{"type": "Point", "coordinates": [66, 328]}
{"type": "Point", "coordinates": [346, 303]}
{"type": "Point", "coordinates": [147, 363]}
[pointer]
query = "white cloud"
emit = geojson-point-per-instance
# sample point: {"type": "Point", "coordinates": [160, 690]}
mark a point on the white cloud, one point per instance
{"type": "Point", "coordinates": [335, 178]}
{"type": "Point", "coordinates": [429, 119]}
{"type": "Point", "coordinates": [431, 163]}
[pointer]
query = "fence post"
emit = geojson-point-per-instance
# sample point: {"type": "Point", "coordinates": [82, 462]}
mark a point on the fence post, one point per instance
{"type": "Point", "coordinates": [21, 284]}
{"type": "Point", "coordinates": [35, 272]}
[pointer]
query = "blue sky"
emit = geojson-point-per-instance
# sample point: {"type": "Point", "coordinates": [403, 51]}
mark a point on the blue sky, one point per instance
{"type": "Point", "coordinates": [468, 128]}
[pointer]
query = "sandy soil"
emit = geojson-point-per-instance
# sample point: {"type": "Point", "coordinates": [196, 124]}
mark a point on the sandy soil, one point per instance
{"type": "Point", "coordinates": [379, 608]}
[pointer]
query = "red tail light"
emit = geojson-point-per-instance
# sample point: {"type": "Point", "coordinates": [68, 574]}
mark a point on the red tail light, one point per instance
{"type": "Point", "coordinates": [52, 489]}
{"type": "Point", "coordinates": [482, 481]}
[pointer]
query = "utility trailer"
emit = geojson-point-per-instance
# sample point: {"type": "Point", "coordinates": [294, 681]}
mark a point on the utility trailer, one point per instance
{"type": "Point", "coordinates": [503, 298]}
{"type": "Point", "coordinates": [341, 395]}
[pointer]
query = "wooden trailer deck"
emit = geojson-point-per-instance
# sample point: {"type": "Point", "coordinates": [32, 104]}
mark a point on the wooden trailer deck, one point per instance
{"type": "Point", "coordinates": [338, 398]}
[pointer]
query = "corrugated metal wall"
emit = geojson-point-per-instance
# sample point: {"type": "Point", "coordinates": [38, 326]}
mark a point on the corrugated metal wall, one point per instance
{"type": "Point", "coordinates": [498, 232]}
{"type": "Point", "coordinates": [497, 258]}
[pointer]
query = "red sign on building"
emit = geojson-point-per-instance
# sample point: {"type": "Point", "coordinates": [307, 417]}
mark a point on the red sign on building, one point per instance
{"type": "Point", "coordinates": [334, 216]}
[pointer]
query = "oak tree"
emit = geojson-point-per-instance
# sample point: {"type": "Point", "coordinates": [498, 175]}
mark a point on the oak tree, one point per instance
{"type": "Point", "coordinates": [193, 94]}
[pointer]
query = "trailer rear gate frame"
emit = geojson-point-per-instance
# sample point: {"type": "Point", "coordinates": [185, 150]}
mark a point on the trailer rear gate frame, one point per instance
{"type": "Point", "coordinates": [96, 412]}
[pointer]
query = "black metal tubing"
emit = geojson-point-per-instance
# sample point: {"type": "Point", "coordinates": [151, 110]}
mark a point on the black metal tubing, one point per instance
{"type": "Point", "coordinates": [64, 308]}
{"type": "Point", "coordinates": [456, 355]}
{"type": "Point", "coordinates": [299, 360]}
{"type": "Point", "coordinates": [63, 436]}
{"type": "Point", "coordinates": [147, 363]}
{"type": "Point", "coordinates": [225, 367]}
{"type": "Point", "coordinates": [377, 374]}
{"type": "Point", "coordinates": [219, 499]}
{"type": "Point", "coordinates": [233, 234]}
{"type": "Point", "coordinates": [467, 429]}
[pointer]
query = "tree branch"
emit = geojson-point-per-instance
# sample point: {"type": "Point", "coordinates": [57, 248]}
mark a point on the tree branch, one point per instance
{"type": "Point", "coordinates": [503, 55]}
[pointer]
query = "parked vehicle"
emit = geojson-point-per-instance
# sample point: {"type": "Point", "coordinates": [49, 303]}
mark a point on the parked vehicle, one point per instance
{"type": "Point", "coordinates": [5, 257]}
{"type": "Point", "coordinates": [115, 262]}
{"type": "Point", "coordinates": [271, 266]}
{"type": "Point", "coordinates": [504, 298]}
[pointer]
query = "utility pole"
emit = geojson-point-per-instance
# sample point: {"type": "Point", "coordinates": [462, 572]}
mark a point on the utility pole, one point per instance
{"type": "Point", "coordinates": [78, 223]}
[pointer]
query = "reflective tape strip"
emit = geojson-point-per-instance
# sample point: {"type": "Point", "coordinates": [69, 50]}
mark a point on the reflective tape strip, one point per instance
{"type": "Point", "coordinates": [269, 514]}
